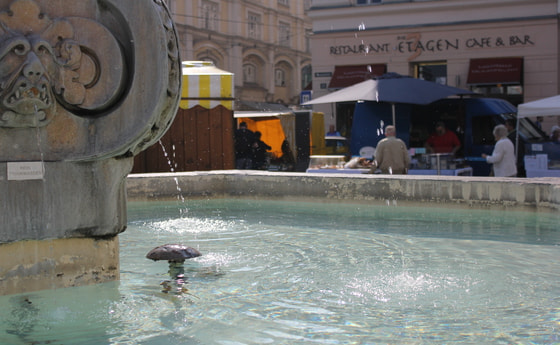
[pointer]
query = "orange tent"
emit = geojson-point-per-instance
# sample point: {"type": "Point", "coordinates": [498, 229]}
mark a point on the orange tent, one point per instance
{"type": "Point", "coordinates": [275, 126]}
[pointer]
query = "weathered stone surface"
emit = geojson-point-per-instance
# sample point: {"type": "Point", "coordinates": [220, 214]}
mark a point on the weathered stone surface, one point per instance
{"type": "Point", "coordinates": [83, 80]}
{"type": "Point", "coordinates": [27, 266]}
{"type": "Point", "coordinates": [460, 191]}
{"type": "Point", "coordinates": [84, 86]}
{"type": "Point", "coordinates": [72, 200]}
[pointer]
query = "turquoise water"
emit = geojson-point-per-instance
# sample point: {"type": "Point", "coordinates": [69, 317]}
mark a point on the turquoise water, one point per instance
{"type": "Point", "coordinates": [312, 273]}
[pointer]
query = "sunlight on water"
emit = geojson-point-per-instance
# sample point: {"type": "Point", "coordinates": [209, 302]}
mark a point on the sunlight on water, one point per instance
{"type": "Point", "coordinates": [191, 225]}
{"type": "Point", "coordinates": [304, 273]}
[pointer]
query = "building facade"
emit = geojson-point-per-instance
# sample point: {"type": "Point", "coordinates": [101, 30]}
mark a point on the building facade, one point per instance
{"type": "Point", "coordinates": [500, 48]}
{"type": "Point", "coordinates": [265, 43]}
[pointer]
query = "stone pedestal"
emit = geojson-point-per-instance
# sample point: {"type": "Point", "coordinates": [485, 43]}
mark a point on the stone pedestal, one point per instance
{"type": "Point", "coordinates": [84, 86]}
{"type": "Point", "coordinates": [27, 266]}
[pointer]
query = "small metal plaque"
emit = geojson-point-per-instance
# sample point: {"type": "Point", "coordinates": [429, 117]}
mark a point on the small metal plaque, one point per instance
{"type": "Point", "coordinates": [18, 171]}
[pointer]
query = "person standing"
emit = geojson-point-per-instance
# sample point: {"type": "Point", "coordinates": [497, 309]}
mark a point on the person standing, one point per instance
{"type": "Point", "coordinates": [511, 125]}
{"type": "Point", "coordinates": [391, 155]}
{"type": "Point", "coordinates": [539, 122]}
{"type": "Point", "coordinates": [287, 159]}
{"type": "Point", "coordinates": [259, 152]}
{"type": "Point", "coordinates": [333, 132]}
{"type": "Point", "coordinates": [443, 141]}
{"type": "Point", "coordinates": [503, 156]}
{"type": "Point", "coordinates": [244, 140]}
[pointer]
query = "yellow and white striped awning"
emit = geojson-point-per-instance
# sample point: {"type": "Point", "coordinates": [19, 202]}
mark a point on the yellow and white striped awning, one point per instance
{"type": "Point", "coordinates": [206, 85]}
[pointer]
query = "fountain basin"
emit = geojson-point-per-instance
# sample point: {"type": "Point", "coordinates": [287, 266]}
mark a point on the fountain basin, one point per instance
{"type": "Point", "coordinates": [536, 194]}
{"type": "Point", "coordinates": [287, 272]}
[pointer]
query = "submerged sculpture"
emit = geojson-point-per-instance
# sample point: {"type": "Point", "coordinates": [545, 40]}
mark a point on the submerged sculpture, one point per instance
{"type": "Point", "coordinates": [175, 254]}
{"type": "Point", "coordinates": [84, 86]}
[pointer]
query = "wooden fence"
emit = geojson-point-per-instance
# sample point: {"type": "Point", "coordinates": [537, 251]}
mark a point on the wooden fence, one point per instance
{"type": "Point", "coordinates": [199, 139]}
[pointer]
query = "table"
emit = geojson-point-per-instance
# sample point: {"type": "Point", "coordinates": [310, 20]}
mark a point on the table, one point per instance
{"type": "Point", "coordinates": [467, 171]}
{"type": "Point", "coordinates": [543, 172]}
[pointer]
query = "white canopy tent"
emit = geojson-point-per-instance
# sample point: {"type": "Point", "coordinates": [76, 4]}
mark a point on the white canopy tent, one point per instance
{"type": "Point", "coordinates": [549, 106]}
{"type": "Point", "coordinates": [543, 107]}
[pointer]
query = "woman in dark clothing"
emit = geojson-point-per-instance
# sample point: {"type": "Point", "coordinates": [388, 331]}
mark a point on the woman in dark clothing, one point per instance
{"type": "Point", "coordinates": [259, 152]}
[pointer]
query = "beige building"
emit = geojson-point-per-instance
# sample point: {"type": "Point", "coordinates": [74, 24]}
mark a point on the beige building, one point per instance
{"type": "Point", "coordinates": [500, 48]}
{"type": "Point", "coordinates": [265, 43]}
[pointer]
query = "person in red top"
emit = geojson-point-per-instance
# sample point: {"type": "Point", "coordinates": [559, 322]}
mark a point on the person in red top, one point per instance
{"type": "Point", "coordinates": [443, 141]}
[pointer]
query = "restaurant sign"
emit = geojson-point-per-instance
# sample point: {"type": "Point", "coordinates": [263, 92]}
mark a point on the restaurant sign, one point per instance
{"type": "Point", "coordinates": [414, 45]}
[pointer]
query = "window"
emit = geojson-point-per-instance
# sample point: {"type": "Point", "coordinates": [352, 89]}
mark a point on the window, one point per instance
{"type": "Point", "coordinates": [249, 73]}
{"type": "Point", "coordinates": [500, 77]}
{"type": "Point", "coordinates": [284, 3]}
{"type": "Point", "coordinates": [432, 71]}
{"type": "Point", "coordinates": [279, 77]}
{"type": "Point", "coordinates": [511, 93]}
{"type": "Point", "coordinates": [254, 25]}
{"type": "Point", "coordinates": [209, 15]}
{"type": "Point", "coordinates": [308, 34]}
{"type": "Point", "coordinates": [284, 34]}
{"type": "Point", "coordinates": [306, 77]}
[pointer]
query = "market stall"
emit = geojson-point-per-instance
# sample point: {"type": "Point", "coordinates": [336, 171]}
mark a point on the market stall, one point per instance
{"type": "Point", "coordinates": [423, 164]}
{"type": "Point", "coordinates": [545, 158]}
{"type": "Point", "coordinates": [200, 137]}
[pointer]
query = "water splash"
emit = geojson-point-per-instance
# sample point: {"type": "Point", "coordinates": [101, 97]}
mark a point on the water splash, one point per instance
{"type": "Point", "coordinates": [166, 155]}
{"type": "Point", "coordinates": [172, 167]}
{"type": "Point", "coordinates": [38, 137]}
{"type": "Point", "coordinates": [380, 129]}
{"type": "Point", "coordinates": [46, 201]}
{"type": "Point", "coordinates": [388, 202]}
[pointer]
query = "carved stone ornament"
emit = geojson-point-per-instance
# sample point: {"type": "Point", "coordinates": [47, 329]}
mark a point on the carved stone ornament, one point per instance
{"type": "Point", "coordinates": [82, 80]}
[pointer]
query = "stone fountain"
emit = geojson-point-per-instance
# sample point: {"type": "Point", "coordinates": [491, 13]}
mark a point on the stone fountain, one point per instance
{"type": "Point", "coordinates": [84, 86]}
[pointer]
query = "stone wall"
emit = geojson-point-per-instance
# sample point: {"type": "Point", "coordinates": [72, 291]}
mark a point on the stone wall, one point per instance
{"type": "Point", "coordinates": [28, 266]}
{"type": "Point", "coordinates": [539, 194]}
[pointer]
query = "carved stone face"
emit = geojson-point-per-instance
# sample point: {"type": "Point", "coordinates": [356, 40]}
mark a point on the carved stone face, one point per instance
{"type": "Point", "coordinates": [46, 61]}
{"type": "Point", "coordinates": [85, 80]}
{"type": "Point", "coordinates": [25, 81]}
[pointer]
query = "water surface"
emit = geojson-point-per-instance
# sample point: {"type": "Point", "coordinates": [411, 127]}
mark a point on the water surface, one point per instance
{"type": "Point", "coordinates": [279, 272]}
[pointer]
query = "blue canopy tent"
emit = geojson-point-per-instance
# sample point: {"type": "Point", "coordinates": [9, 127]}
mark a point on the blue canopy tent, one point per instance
{"type": "Point", "coordinates": [380, 98]}
{"type": "Point", "coordinates": [392, 88]}
{"type": "Point", "coordinates": [370, 119]}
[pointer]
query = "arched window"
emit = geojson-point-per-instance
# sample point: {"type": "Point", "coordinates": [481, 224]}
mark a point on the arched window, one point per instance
{"type": "Point", "coordinates": [209, 13]}
{"type": "Point", "coordinates": [279, 77]}
{"type": "Point", "coordinates": [306, 76]}
{"type": "Point", "coordinates": [249, 73]}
